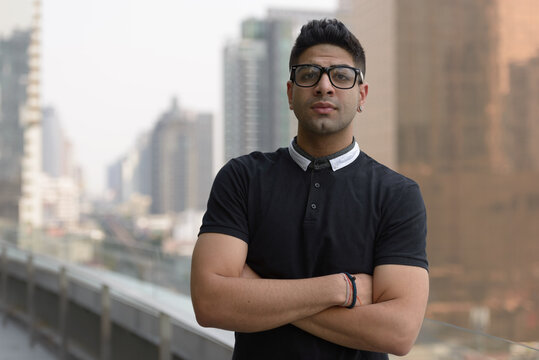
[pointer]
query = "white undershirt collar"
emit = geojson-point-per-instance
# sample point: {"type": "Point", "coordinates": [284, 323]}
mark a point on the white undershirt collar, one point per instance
{"type": "Point", "coordinates": [336, 163]}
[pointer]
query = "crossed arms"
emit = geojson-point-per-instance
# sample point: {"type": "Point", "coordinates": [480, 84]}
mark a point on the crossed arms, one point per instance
{"type": "Point", "coordinates": [227, 294]}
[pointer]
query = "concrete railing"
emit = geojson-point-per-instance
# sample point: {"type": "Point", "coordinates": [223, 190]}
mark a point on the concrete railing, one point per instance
{"type": "Point", "coordinates": [89, 313]}
{"type": "Point", "coordinates": [94, 314]}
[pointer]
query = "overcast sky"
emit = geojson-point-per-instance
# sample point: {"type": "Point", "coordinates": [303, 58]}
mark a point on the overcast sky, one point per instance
{"type": "Point", "coordinates": [110, 68]}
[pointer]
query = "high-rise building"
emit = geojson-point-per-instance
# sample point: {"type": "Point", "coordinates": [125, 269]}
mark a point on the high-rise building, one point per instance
{"type": "Point", "coordinates": [245, 93]}
{"type": "Point", "coordinates": [181, 161]}
{"type": "Point", "coordinates": [143, 169]}
{"type": "Point", "coordinates": [13, 72]}
{"type": "Point", "coordinates": [520, 116]}
{"type": "Point", "coordinates": [30, 203]}
{"type": "Point", "coordinates": [130, 175]}
{"type": "Point", "coordinates": [452, 103]}
{"type": "Point", "coordinates": [60, 179]}
{"type": "Point", "coordinates": [114, 179]}
{"type": "Point", "coordinates": [256, 112]}
{"type": "Point", "coordinates": [61, 202]}
{"type": "Point", "coordinates": [20, 113]}
{"type": "Point", "coordinates": [203, 149]}
{"type": "Point", "coordinates": [53, 143]}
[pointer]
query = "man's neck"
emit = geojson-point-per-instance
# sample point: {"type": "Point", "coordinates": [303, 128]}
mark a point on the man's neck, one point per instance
{"type": "Point", "coordinates": [320, 146]}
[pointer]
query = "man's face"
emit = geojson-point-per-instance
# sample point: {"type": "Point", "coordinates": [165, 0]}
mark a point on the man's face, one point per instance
{"type": "Point", "coordinates": [324, 109]}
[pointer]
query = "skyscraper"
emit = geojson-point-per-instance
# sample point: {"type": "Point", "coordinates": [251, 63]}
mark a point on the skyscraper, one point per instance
{"type": "Point", "coordinates": [13, 72]}
{"type": "Point", "coordinates": [256, 112]}
{"type": "Point", "coordinates": [520, 114]}
{"type": "Point", "coordinates": [451, 99]}
{"type": "Point", "coordinates": [114, 179]}
{"type": "Point", "coordinates": [30, 203]}
{"type": "Point", "coordinates": [53, 143]}
{"type": "Point", "coordinates": [20, 112]}
{"type": "Point", "coordinates": [181, 161]}
{"type": "Point", "coordinates": [246, 92]}
{"type": "Point", "coordinates": [60, 180]}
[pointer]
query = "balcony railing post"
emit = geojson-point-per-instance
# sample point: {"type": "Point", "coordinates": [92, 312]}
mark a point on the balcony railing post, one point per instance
{"type": "Point", "coordinates": [30, 296]}
{"type": "Point", "coordinates": [62, 321]}
{"type": "Point", "coordinates": [105, 323]}
{"type": "Point", "coordinates": [3, 267]}
{"type": "Point", "coordinates": [165, 336]}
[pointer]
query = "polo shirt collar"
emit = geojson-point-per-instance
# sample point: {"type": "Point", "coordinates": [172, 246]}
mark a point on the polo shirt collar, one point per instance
{"type": "Point", "coordinates": [337, 160]}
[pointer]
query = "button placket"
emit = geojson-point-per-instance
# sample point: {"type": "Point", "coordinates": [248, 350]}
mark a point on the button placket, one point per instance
{"type": "Point", "coordinates": [313, 201]}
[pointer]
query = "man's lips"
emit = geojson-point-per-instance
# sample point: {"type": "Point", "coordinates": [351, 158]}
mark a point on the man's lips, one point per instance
{"type": "Point", "coordinates": [323, 107]}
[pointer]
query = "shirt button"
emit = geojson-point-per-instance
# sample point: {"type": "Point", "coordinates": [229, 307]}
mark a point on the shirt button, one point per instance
{"type": "Point", "coordinates": [313, 206]}
{"type": "Point", "coordinates": [317, 185]}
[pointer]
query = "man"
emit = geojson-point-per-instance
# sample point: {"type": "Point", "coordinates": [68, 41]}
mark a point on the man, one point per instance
{"type": "Point", "coordinates": [284, 230]}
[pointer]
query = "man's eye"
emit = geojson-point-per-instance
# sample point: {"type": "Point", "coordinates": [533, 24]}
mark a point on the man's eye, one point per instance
{"type": "Point", "coordinates": [341, 76]}
{"type": "Point", "coordinates": [308, 75]}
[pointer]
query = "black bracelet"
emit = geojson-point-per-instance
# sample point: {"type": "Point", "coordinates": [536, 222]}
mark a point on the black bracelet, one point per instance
{"type": "Point", "coordinates": [354, 290]}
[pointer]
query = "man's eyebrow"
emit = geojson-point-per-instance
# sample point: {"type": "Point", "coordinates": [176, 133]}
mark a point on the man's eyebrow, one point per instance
{"type": "Point", "coordinates": [333, 65]}
{"type": "Point", "coordinates": [341, 65]}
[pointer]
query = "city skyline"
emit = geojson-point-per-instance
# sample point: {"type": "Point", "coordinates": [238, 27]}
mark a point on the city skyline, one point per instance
{"type": "Point", "coordinates": [109, 68]}
{"type": "Point", "coordinates": [461, 121]}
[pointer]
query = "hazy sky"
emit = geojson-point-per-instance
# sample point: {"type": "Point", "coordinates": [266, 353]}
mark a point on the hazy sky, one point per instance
{"type": "Point", "coordinates": [110, 68]}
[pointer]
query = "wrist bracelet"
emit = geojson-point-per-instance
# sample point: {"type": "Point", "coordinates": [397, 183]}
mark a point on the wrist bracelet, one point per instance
{"type": "Point", "coordinates": [347, 283]}
{"type": "Point", "coordinates": [354, 290]}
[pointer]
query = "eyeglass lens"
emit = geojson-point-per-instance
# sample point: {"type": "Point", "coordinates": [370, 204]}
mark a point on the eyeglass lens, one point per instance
{"type": "Point", "coordinates": [341, 77]}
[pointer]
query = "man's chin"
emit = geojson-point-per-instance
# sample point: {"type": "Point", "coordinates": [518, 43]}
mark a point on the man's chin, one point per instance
{"type": "Point", "coordinates": [324, 126]}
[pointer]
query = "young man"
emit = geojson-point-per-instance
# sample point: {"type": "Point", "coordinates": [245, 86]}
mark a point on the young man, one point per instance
{"type": "Point", "coordinates": [284, 231]}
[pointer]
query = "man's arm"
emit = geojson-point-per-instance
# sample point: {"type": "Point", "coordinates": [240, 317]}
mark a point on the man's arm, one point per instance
{"type": "Point", "coordinates": [391, 324]}
{"type": "Point", "coordinates": [223, 299]}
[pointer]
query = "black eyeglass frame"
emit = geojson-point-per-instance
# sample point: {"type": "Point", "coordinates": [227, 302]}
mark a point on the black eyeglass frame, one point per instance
{"type": "Point", "coordinates": [326, 70]}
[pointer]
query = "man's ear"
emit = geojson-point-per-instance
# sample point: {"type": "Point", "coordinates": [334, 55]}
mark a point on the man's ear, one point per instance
{"type": "Point", "coordinates": [363, 92]}
{"type": "Point", "coordinates": [289, 86]}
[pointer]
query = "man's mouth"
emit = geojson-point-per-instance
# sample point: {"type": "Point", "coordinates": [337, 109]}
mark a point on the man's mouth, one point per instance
{"type": "Point", "coordinates": [323, 107]}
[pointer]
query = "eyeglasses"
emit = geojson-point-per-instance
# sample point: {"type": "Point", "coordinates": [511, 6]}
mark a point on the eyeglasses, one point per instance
{"type": "Point", "coordinates": [340, 76]}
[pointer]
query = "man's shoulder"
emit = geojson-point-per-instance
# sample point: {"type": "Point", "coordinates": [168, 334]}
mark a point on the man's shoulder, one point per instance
{"type": "Point", "coordinates": [382, 174]}
{"type": "Point", "coordinates": [257, 160]}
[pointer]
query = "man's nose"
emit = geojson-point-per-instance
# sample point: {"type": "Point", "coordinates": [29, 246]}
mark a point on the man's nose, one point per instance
{"type": "Point", "coordinates": [324, 85]}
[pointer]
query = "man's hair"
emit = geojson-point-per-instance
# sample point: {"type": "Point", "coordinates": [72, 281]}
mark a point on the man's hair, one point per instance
{"type": "Point", "coordinates": [328, 31]}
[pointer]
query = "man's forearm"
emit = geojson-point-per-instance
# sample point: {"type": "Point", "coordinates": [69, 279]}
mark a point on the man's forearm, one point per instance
{"type": "Point", "coordinates": [227, 296]}
{"type": "Point", "coordinates": [391, 324]}
{"type": "Point", "coordinates": [249, 305]}
{"type": "Point", "coordinates": [381, 327]}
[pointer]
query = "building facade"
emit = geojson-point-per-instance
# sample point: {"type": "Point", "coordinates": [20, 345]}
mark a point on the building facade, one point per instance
{"type": "Point", "coordinates": [245, 92]}
{"type": "Point", "coordinates": [181, 161]}
{"type": "Point", "coordinates": [453, 88]}
{"type": "Point", "coordinates": [20, 113]}
{"type": "Point", "coordinates": [14, 69]}
{"type": "Point", "coordinates": [60, 177]}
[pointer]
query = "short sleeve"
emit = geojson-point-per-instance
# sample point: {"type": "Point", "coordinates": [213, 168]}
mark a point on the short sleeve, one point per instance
{"type": "Point", "coordinates": [227, 205]}
{"type": "Point", "coordinates": [403, 229]}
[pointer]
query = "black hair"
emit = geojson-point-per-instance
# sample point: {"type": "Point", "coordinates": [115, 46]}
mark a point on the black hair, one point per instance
{"type": "Point", "coordinates": [328, 31]}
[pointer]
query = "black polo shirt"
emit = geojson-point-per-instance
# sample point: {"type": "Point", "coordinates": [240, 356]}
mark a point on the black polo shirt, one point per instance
{"type": "Point", "coordinates": [304, 217]}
